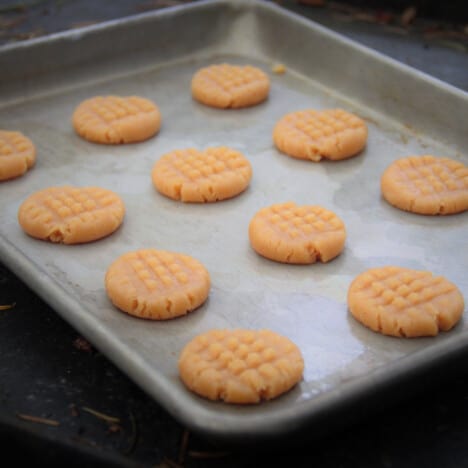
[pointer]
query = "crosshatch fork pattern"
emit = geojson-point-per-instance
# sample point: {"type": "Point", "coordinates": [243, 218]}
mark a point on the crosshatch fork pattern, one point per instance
{"type": "Point", "coordinates": [430, 175]}
{"type": "Point", "coordinates": [229, 77]}
{"type": "Point", "coordinates": [401, 288]}
{"type": "Point", "coordinates": [300, 221]}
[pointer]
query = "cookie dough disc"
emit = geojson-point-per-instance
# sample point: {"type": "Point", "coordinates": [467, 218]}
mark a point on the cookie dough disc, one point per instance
{"type": "Point", "coordinates": [17, 154]}
{"type": "Point", "coordinates": [156, 284]}
{"type": "Point", "coordinates": [403, 302]}
{"type": "Point", "coordinates": [116, 120]}
{"type": "Point", "coordinates": [196, 176]}
{"type": "Point", "coordinates": [230, 86]}
{"type": "Point", "coordinates": [289, 233]}
{"type": "Point", "coordinates": [314, 135]}
{"type": "Point", "coordinates": [426, 185]}
{"type": "Point", "coordinates": [240, 366]}
{"type": "Point", "coordinates": [71, 215]}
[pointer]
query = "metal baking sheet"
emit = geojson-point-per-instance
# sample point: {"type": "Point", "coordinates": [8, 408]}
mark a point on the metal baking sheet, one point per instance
{"type": "Point", "coordinates": [155, 55]}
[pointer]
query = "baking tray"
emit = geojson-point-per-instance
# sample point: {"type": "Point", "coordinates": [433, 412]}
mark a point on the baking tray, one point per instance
{"type": "Point", "coordinates": [155, 55]}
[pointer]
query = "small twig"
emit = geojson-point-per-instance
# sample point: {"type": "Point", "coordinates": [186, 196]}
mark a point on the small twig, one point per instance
{"type": "Point", "coordinates": [20, 6]}
{"type": "Point", "coordinates": [7, 306]}
{"type": "Point", "coordinates": [82, 345]}
{"type": "Point", "coordinates": [134, 437]}
{"type": "Point", "coordinates": [98, 414]}
{"type": "Point", "coordinates": [114, 428]}
{"type": "Point", "coordinates": [37, 419]}
{"type": "Point", "coordinates": [408, 15]}
{"type": "Point", "coordinates": [82, 24]}
{"type": "Point", "coordinates": [183, 447]}
{"type": "Point", "coordinates": [73, 410]}
{"type": "Point", "coordinates": [206, 455]}
{"type": "Point", "coordinates": [11, 23]}
{"type": "Point", "coordinates": [28, 35]}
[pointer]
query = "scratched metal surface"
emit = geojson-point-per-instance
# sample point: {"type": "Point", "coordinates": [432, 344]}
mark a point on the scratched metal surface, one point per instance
{"type": "Point", "coordinates": [343, 360]}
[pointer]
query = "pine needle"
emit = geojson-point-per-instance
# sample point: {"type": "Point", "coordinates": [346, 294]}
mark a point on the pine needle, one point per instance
{"type": "Point", "coordinates": [98, 414]}
{"type": "Point", "coordinates": [37, 419]}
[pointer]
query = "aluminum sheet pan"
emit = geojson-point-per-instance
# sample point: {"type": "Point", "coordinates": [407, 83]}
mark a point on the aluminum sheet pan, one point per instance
{"type": "Point", "coordinates": [155, 55]}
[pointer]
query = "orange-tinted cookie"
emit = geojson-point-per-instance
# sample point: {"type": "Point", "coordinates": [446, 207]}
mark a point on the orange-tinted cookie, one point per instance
{"type": "Point", "coordinates": [71, 215]}
{"type": "Point", "coordinates": [289, 233]}
{"type": "Point", "coordinates": [115, 120]}
{"type": "Point", "coordinates": [230, 86]}
{"type": "Point", "coordinates": [211, 175]}
{"type": "Point", "coordinates": [240, 366]}
{"type": "Point", "coordinates": [156, 284]}
{"type": "Point", "coordinates": [17, 154]}
{"type": "Point", "coordinates": [402, 302]}
{"type": "Point", "coordinates": [310, 134]}
{"type": "Point", "coordinates": [426, 185]}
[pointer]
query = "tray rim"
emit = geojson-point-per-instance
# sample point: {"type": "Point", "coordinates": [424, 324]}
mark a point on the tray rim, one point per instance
{"type": "Point", "coordinates": [238, 5]}
{"type": "Point", "coordinates": [355, 389]}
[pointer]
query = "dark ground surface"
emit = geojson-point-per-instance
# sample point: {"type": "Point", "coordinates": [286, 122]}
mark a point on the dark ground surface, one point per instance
{"type": "Point", "coordinates": [48, 371]}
